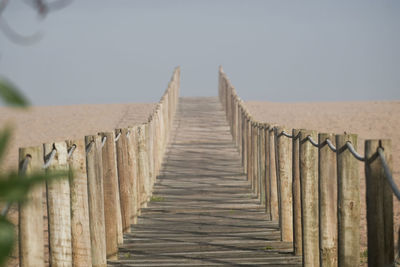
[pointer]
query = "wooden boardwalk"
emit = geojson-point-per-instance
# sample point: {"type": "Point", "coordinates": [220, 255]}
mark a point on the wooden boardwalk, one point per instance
{"type": "Point", "coordinates": [203, 212]}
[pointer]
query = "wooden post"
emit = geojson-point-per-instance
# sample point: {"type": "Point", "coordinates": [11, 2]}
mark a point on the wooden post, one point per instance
{"type": "Point", "coordinates": [112, 214]}
{"type": "Point", "coordinates": [348, 203]}
{"type": "Point", "coordinates": [262, 164]}
{"type": "Point", "coordinates": [96, 200]}
{"type": "Point", "coordinates": [297, 229]}
{"type": "Point", "coordinates": [327, 202]}
{"type": "Point", "coordinates": [80, 230]}
{"type": "Point", "coordinates": [124, 178]}
{"type": "Point", "coordinates": [272, 176]}
{"type": "Point", "coordinates": [267, 171]}
{"type": "Point", "coordinates": [379, 205]}
{"type": "Point", "coordinates": [59, 208]}
{"type": "Point", "coordinates": [285, 184]}
{"type": "Point", "coordinates": [31, 240]}
{"type": "Point", "coordinates": [309, 198]}
{"type": "Point", "coordinates": [133, 169]}
{"type": "Point", "coordinates": [254, 162]}
{"type": "Point", "coordinates": [143, 167]}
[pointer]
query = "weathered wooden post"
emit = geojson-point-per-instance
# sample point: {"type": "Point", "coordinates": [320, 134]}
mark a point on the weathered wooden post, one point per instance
{"type": "Point", "coordinates": [124, 178]}
{"type": "Point", "coordinates": [249, 149]}
{"type": "Point", "coordinates": [379, 205]}
{"type": "Point", "coordinates": [143, 167]}
{"type": "Point", "coordinates": [261, 147]}
{"type": "Point", "coordinates": [327, 202]}
{"type": "Point", "coordinates": [254, 174]}
{"type": "Point", "coordinates": [267, 170]}
{"type": "Point", "coordinates": [112, 212]}
{"type": "Point", "coordinates": [285, 184]}
{"type": "Point", "coordinates": [274, 202]}
{"type": "Point", "coordinates": [58, 207]}
{"type": "Point", "coordinates": [297, 229]}
{"type": "Point", "coordinates": [348, 202]}
{"type": "Point", "coordinates": [80, 226]}
{"type": "Point", "coordinates": [31, 240]}
{"type": "Point", "coordinates": [309, 198]}
{"type": "Point", "coordinates": [133, 169]}
{"type": "Point", "coordinates": [96, 200]}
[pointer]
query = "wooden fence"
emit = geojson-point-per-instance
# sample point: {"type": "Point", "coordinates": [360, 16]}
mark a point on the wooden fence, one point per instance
{"type": "Point", "coordinates": [309, 182]}
{"type": "Point", "coordinates": [111, 179]}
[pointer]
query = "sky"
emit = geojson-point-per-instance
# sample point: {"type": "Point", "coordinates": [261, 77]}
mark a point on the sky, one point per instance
{"type": "Point", "coordinates": [121, 51]}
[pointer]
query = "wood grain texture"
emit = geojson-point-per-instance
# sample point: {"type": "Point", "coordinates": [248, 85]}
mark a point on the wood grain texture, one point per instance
{"type": "Point", "coordinates": [309, 198]}
{"type": "Point", "coordinates": [327, 177]}
{"type": "Point", "coordinates": [112, 216]}
{"type": "Point", "coordinates": [94, 168]}
{"type": "Point", "coordinates": [284, 145]}
{"type": "Point", "coordinates": [297, 228]}
{"type": "Point", "coordinates": [348, 202]}
{"type": "Point", "coordinates": [59, 207]}
{"type": "Point", "coordinates": [379, 205]}
{"type": "Point", "coordinates": [31, 238]}
{"type": "Point", "coordinates": [80, 229]}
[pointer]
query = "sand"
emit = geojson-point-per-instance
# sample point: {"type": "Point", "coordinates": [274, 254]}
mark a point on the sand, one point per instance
{"type": "Point", "coordinates": [45, 124]}
{"type": "Point", "coordinates": [370, 120]}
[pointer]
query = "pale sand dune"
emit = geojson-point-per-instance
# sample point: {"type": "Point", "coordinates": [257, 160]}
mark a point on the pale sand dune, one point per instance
{"type": "Point", "coordinates": [370, 120]}
{"type": "Point", "coordinates": [45, 124]}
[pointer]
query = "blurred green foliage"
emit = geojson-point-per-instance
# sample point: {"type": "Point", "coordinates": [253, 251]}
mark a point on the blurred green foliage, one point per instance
{"type": "Point", "coordinates": [14, 186]}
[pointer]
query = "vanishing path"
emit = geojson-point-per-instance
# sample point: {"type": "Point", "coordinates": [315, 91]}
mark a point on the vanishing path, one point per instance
{"type": "Point", "coordinates": [203, 211]}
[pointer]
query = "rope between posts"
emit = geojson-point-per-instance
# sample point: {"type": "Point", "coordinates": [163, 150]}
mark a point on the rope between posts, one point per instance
{"type": "Point", "coordinates": [118, 136]}
{"type": "Point", "coordinates": [103, 141]}
{"type": "Point", "coordinates": [354, 152]}
{"type": "Point", "coordinates": [388, 174]}
{"type": "Point", "coordinates": [71, 150]}
{"type": "Point", "coordinates": [49, 158]}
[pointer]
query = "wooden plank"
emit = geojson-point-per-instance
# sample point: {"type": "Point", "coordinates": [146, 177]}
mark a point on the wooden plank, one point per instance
{"type": "Point", "coordinates": [80, 230]}
{"type": "Point", "coordinates": [30, 227]}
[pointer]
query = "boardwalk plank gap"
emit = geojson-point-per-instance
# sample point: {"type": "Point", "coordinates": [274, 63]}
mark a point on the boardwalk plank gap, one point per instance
{"type": "Point", "coordinates": [204, 212]}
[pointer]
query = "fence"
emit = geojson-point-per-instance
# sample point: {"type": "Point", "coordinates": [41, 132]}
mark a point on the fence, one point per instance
{"type": "Point", "coordinates": [111, 179]}
{"type": "Point", "coordinates": [309, 181]}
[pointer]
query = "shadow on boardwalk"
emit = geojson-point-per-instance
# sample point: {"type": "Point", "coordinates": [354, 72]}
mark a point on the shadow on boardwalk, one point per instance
{"type": "Point", "coordinates": [204, 213]}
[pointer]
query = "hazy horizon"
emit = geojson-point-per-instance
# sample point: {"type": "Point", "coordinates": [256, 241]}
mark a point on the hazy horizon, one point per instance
{"type": "Point", "coordinates": [123, 51]}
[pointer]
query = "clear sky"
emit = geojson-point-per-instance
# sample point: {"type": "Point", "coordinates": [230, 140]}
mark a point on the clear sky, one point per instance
{"type": "Point", "coordinates": [97, 51]}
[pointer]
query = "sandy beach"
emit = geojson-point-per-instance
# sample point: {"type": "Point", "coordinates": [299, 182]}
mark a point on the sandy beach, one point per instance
{"type": "Point", "coordinates": [44, 124]}
{"type": "Point", "coordinates": [370, 120]}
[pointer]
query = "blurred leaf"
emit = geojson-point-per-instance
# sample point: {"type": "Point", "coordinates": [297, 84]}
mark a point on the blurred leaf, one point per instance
{"type": "Point", "coordinates": [6, 239]}
{"type": "Point", "coordinates": [15, 187]}
{"type": "Point", "coordinates": [11, 95]}
{"type": "Point", "coordinates": [5, 136]}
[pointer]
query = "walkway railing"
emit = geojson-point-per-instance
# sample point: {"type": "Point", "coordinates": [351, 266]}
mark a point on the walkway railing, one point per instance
{"type": "Point", "coordinates": [111, 179]}
{"type": "Point", "coordinates": [309, 181]}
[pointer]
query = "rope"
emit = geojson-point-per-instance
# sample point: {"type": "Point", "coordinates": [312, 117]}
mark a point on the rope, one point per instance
{"type": "Point", "coordinates": [330, 145]}
{"type": "Point", "coordinates": [118, 136]}
{"type": "Point", "coordinates": [354, 152]}
{"type": "Point", "coordinates": [103, 141]}
{"type": "Point", "coordinates": [128, 133]}
{"type": "Point", "coordinates": [309, 138]}
{"type": "Point", "coordinates": [71, 150]}
{"type": "Point", "coordinates": [388, 174]}
{"type": "Point", "coordinates": [50, 158]}
{"type": "Point", "coordinates": [89, 147]}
